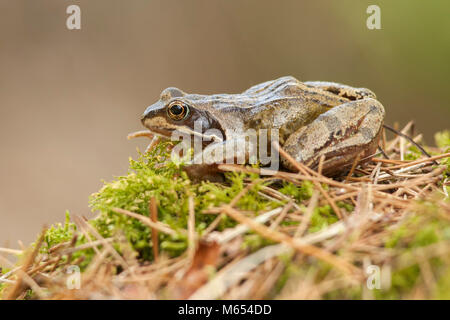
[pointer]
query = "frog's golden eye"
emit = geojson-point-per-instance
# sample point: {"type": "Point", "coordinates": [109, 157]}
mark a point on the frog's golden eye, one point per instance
{"type": "Point", "coordinates": [177, 110]}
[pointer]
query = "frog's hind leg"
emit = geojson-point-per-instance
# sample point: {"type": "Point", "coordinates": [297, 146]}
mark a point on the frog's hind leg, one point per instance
{"type": "Point", "coordinates": [340, 134]}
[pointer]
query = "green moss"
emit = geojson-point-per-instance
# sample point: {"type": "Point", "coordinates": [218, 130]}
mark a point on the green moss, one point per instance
{"type": "Point", "coordinates": [442, 291]}
{"type": "Point", "coordinates": [299, 193]}
{"type": "Point", "coordinates": [351, 293]}
{"type": "Point", "coordinates": [396, 237]}
{"type": "Point", "coordinates": [442, 139]}
{"type": "Point", "coordinates": [425, 228]}
{"type": "Point", "coordinates": [402, 281]}
{"type": "Point", "coordinates": [321, 218]}
{"type": "Point", "coordinates": [171, 187]}
{"type": "Point", "coordinates": [425, 236]}
{"type": "Point", "coordinates": [422, 229]}
{"type": "Point", "coordinates": [347, 206]}
{"type": "Point", "coordinates": [253, 242]}
{"type": "Point", "coordinates": [59, 233]}
{"type": "Point", "coordinates": [291, 271]}
{"type": "Point", "coordinates": [413, 153]}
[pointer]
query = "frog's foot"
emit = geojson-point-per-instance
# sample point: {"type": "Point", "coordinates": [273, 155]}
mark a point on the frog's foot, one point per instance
{"type": "Point", "coordinates": [142, 133]}
{"type": "Point", "coordinates": [340, 134]}
{"type": "Point", "coordinates": [205, 165]}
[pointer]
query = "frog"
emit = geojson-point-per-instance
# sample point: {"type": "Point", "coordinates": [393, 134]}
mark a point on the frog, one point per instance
{"type": "Point", "coordinates": [318, 123]}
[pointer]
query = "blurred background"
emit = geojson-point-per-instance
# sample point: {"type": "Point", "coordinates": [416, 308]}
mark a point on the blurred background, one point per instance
{"type": "Point", "coordinates": [68, 98]}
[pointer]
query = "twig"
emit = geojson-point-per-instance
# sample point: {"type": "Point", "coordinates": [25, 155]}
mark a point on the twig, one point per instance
{"type": "Point", "coordinates": [307, 216]}
{"type": "Point", "coordinates": [158, 225]}
{"type": "Point", "coordinates": [302, 168]}
{"type": "Point", "coordinates": [410, 163]}
{"type": "Point", "coordinates": [355, 163]}
{"type": "Point", "coordinates": [153, 209]}
{"type": "Point", "coordinates": [143, 133]}
{"type": "Point", "coordinates": [15, 290]}
{"type": "Point", "coordinates": [410, 140]}
{"type": "Point", "coordinates": [230, 234]}
{"type": "Point", "coordinates": [11, 251]}
{"type": "Point", "coordinates": [281, 237]}
{"type": "Point", "coordinates": [282, 215]}
{"type": "Point", "coordinates": [86, 246]}
{"type": "Point", "coordinates": [229, 276]}
{"type": "Point", "coordinates": [191, 228]}
{"type": "Point", "coordinates": [83, 224]}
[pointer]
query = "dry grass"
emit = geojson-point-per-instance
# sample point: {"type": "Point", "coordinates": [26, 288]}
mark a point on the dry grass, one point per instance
{"type": "Point", "coordinates": [391, 200]}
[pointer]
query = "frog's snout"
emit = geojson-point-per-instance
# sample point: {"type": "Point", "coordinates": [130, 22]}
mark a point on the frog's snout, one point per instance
{"type": "Point", "coordinates": [144, 119]}
{"type": "Point", "coordinates": [152, 111]}
{"type": "Point", "coordinates": [144, 115]}
{"type": "Point", "coordinates": [147, 114]}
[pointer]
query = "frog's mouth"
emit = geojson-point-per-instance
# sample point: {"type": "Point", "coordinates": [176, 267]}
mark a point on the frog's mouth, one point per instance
{"type": "Point", "coordinates": [182, 130]}
{"type": "Point", "coordinates": [161, 132]}
{"type": "Point", "coordinates": [158, 125]}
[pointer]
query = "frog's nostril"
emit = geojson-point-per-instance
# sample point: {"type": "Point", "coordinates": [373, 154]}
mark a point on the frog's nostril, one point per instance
{"type": "Point", "coordinates": [146, 113]}
{"type": "Point", "coordinates": [152, 111]}
{"type": "Point", "coordinates": [144, 116]}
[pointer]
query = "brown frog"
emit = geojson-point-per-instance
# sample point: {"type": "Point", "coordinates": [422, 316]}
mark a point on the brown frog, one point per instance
{"type": "Point", "coordinates": [312, 119]}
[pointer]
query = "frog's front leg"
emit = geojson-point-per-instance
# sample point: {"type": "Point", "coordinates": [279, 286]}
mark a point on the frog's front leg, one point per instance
{"type": "Point", "coordinates": [205, 164]}
{"type": "Point", "coordinates": [339, 134]}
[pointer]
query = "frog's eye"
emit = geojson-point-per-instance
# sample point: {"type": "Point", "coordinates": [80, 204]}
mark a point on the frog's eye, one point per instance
{"type": "Point", "coordinates": [177, 110]}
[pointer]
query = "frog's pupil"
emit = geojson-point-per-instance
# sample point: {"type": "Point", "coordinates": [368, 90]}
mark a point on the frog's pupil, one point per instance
{"type": "Point", "coordinates": [177, 109]}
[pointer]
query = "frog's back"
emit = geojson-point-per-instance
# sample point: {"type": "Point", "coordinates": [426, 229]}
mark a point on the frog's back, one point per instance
{"type": "Point", "coordinates": [267, 93]}
{"type": "Point", "coordinates": [287, 104]}
{"type": "Point", "coordinates": [275, 87]}
{"type": "Point", "coordinates": [284, 103]}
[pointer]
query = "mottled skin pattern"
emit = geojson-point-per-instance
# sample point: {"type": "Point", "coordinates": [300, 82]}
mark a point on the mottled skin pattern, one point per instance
{"type": "Point", "coordinates": [313, 118]}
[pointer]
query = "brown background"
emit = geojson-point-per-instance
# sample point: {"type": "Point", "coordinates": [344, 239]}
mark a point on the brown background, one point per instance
{"type": "Point", "coordinates": [69, 98]}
